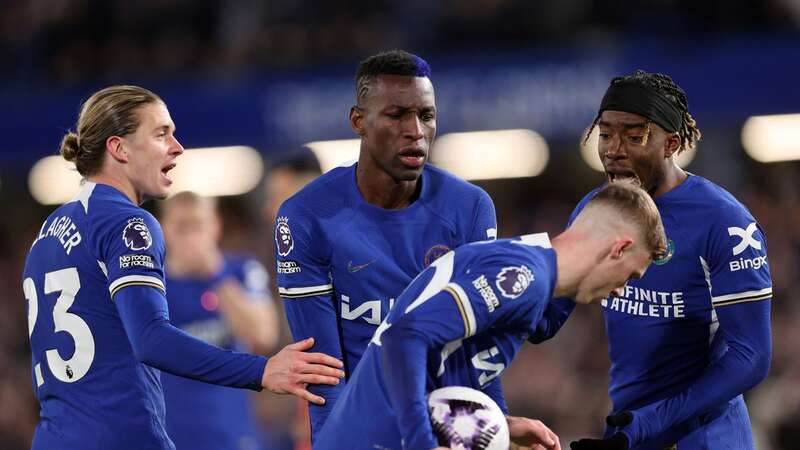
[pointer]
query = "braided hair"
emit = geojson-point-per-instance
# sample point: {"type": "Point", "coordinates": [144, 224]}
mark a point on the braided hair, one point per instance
{"type": "Point", "coordinates": [688, 131]}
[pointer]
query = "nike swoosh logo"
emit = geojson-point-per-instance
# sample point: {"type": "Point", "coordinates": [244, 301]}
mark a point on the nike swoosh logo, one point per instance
{"type": "Point", "coordinates": [353, 269]}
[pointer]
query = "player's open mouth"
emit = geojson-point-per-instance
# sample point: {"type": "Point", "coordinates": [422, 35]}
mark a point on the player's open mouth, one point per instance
{"type": "Point", "coordinates": [623, 175]}
{"type": "Point", "coordinates": [412, 157]}
{"type": "Point", "coordinates": [166, 169]}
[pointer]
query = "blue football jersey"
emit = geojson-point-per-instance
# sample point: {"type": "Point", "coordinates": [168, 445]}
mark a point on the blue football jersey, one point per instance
{"type": "Point", "coordinates": [204, 416]}
{"type": "Point", "coordinates": [662, 332]}
{"type": "Point", "coordinates": [342, 262]}
{"type": "Point", "coordinates": [93, 392]}
{"type": "Point", "coordinates": [472, 309]}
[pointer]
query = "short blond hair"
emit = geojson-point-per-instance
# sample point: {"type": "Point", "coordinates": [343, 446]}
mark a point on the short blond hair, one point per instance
{"type": "Point", "coordinates": [636, 207]}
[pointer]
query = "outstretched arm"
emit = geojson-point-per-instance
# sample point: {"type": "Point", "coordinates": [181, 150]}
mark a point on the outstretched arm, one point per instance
{"type": "Point", "coordinates": [143, 310]}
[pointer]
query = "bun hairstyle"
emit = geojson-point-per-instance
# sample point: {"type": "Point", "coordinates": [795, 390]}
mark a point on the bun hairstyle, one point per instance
{"type": "Point", "coordinates": [69, 146]}
{"type": "Point", "coordinates": [108, 112]}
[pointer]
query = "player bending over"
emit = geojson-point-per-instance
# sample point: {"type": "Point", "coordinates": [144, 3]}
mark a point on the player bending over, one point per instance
{"type": "Point", "coordinates": [461, 321]}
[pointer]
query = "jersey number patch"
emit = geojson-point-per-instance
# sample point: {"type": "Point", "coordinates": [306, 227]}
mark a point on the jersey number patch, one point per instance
{"type": "Point", "coordinates": [67, 283]}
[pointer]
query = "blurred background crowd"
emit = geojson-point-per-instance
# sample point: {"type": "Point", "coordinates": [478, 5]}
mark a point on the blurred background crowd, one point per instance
{"type": "Point", "coordinates": [72, 40]}
{"type": "Point", "coordinates": [275, 75]}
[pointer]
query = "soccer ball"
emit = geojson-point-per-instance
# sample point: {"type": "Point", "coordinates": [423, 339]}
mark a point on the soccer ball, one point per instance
{"type": "Point", "coordinates": [467, 419]}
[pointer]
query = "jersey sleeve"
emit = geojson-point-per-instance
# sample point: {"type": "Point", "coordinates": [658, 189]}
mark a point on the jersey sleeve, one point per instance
{"type": "Point", "coordinates": [499, 294]}
{"type": "Point", "coordinates": [501, 289]}
{"type": "Point", "coordinates": [405, 345]}
{"type": "Point", "coordinates": [485, 221]}
{"type": "Point", "coordinates": [744, 329]}
{"type": "Point", "coordinates": [302, 256]}
{"type": "Point", "coordinates": [131, 249]}
{"type": "Point", "coordinates": [157, 343]}
{"type": "Point", "coordinates": [736, 263]}
{"type": "Point", "coordinates": [305, 285]}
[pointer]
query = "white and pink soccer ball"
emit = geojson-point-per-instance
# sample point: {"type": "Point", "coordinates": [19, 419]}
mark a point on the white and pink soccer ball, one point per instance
{"type": "Point", "coordinates": [467, 419]}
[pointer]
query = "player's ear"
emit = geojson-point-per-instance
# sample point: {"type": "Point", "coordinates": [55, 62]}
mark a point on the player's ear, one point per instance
{"type": "Point", "coordinates": [357, 120]}
{"type": "Point", "coordinates": [620, 247]}
{"type": "Point", "coordinates": [115, 147]}
{"type": "Point", "coordinates": [672, 144]}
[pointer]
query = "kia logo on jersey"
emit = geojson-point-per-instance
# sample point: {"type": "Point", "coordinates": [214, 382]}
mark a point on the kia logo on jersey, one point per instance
{"type": "Point", "coordinates": [747, 239]}
{"type": "Point", "coordinates": [512, 281]}
{"type": "Point", "coordinates": [283, 236]}
{"type": "Point", "coordinates": [136, 235]}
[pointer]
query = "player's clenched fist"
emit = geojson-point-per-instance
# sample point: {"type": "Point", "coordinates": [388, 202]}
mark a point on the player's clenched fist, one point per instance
{"type": "Point", "coordinates": [292, 369]}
